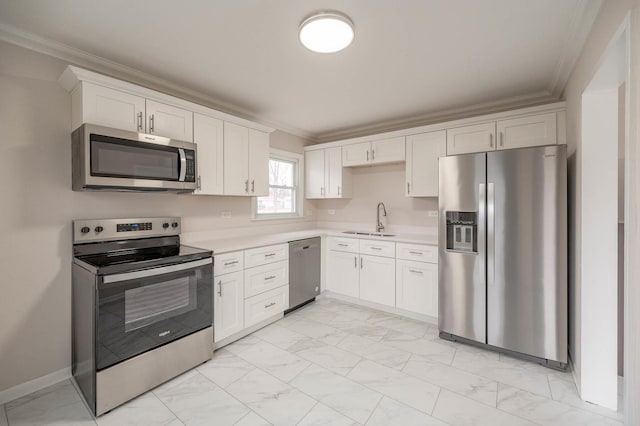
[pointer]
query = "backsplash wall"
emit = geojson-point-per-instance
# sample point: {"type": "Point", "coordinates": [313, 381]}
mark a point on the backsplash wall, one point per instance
{"type": "Point", "coordinates": [371, 185]}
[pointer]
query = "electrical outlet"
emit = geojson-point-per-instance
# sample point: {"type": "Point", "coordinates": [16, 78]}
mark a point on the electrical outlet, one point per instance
{"type": "Point", "coordinates": [433, 213]}
{"type": "Point", "coordinates": [331, 211]}
{"type": "Point", "coordinates": [225, 214]}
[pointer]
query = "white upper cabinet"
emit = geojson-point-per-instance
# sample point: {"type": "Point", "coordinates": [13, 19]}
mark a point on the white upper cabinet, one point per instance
{"type": "Point", "coordinates": [469, 139]}
{"type": "Point", "coordinates": [423, 152]}
{"type": "Point", "coordinates": [103, 106]}
{"type": "Point", "coordinates": [381, 151]}
{"type": "Point", "coordinates": [357, 154]}
{"type": "Point", "coordinates": [527, 131]}
{"type": "Point", "coordinates": [246, 161]}
{"type": "Point", "coordinates": [208, 135]}
{"type": "Point", "coordinates": [169, 121]}
{"type": "Point", "coordinates": [324, 175]}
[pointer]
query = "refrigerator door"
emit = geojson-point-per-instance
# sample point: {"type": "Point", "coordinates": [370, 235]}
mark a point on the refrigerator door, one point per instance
{"type": "Point", "coordinates": [527, 251]}
{"type": "Point", "coordinates": [461, 246]}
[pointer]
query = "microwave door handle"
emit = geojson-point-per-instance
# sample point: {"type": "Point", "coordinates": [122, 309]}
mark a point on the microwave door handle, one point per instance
{"type": "Point", "coordinates": [156, 271]}
{"type": "Point", "coordinates": [183, 165]}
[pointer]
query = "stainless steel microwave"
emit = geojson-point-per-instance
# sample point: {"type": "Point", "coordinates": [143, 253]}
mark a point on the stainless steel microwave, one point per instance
{"type": "Point", "coordinates": [118, 160]}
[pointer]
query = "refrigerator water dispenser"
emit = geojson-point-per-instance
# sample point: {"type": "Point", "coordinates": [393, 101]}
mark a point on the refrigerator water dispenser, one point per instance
{"type": "Point", "coordinates": [462, 231]}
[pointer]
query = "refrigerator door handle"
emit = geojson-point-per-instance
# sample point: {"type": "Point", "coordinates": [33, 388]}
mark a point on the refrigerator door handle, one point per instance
{"type": "Point", "coordinates": [491, 234]}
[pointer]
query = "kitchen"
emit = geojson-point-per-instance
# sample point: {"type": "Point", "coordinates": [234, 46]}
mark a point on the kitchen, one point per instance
{"type": "Point", "coordinates": [36, 341]}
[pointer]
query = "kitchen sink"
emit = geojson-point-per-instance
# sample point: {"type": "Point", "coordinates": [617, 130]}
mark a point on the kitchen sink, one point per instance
{"type": "Point", "coordinates": [373, 234]}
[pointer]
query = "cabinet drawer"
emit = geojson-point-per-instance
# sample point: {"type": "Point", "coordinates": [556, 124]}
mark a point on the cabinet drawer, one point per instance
{"type": "Point", "coordinates": [265, 277]}
{"type": "Point", "coordinates": [228, 262]}
{"type": "Point", "coordinates": [343, 244]}
{"type": "Point", "coordinates": [265, 305]}
{"type": "Point", "coordinates": [263, 255]}
{"type": "Point", "coordinates": [378, 248]}
{"type": "Point", "coordinates": [418, 252]}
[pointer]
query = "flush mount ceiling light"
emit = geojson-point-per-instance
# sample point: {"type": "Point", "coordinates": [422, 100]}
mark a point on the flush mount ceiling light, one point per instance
{"type": "Point", "coordinates": [326, 32]}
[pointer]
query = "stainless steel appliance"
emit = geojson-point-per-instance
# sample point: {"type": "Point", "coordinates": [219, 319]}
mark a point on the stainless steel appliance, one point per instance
{"type": "Point", "coordinates": [142, 307]}
{"type": "Point", "coordinates": [304, 271]}
{"type": "Point", "coordinates": [503, 251]}
{"type": "Point", "coordinates": [117, 160]}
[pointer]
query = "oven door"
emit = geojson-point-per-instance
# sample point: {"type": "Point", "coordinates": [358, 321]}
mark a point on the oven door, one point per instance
{"type": "Point", "coordinates": [142, 310]}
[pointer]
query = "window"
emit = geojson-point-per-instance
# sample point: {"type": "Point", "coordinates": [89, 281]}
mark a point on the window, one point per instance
{"type": "Point", "coordinates": [284, 199]}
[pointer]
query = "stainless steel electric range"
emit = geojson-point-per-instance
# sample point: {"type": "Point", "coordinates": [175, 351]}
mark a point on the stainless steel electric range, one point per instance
{"type": "Point", "coordinates": [142, 307]}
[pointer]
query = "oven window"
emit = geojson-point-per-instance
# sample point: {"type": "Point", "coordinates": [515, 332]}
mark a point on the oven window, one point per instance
{"type": "Point", "coordinates": [113, 157]}
{"type": "Point", "coordinates": [146, 305]}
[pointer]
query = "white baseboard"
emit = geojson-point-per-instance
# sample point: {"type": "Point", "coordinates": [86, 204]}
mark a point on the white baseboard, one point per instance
{"type": "Point", "coordinates": [36, 384]}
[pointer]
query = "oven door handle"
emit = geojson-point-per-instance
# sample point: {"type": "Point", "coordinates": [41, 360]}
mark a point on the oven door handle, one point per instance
{"type": "Point", "coordinates": [183, 165]}
{"type": "Point", "coordinates": [155, 271]}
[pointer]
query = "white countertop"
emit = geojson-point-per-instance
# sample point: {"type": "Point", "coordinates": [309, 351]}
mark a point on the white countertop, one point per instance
{"type": "Point", "coordinates": [241, 243]}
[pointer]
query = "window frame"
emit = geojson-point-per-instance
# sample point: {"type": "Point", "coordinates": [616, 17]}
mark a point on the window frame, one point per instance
{"type": "Point", "coordinates": [298, 187]}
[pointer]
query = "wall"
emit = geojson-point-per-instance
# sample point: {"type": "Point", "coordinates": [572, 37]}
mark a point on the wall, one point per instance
{"type": "Point", "coordinates": [371, 185]}
{"type": "Point", "coordinates": [38, 207]}
{"type": "Point", "coordinates": [609, 20]}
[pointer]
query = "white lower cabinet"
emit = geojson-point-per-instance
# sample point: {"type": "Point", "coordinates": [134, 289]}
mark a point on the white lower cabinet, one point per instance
{"type": "Point", "coordinates": [228, 305]}
{"type": "Point", "coordinates": [343, 273]}
{"type": "Point", "coordinates": [417, 287]}
{"type": "Point", "coordinates": [265, 277]}
{"type": "Point", "coordinates": [377, 279]}
{"type": "Point", "coordinates": [265, 305]}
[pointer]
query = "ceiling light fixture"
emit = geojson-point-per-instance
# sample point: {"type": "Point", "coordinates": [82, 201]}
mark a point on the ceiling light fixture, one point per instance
{"type": "Point", "coordinates": [326, 32]}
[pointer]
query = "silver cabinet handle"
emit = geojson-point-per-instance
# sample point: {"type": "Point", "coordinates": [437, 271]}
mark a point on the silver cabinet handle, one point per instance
{"type": "Point", "coordinates": [269, 305]}
{"type": "Point", "coordinates": [140, 120]}
{"type": "Point", "coordinates": [220, 288]}
{"type": "Point", "coordinates": [355, 261]}
{"type": "Point", "coordinates": [343, 245]}
{"type": "Point", "coordinates": [253, 185]}
{"type": "Point", "coordinates": [152, 120]}
{"type": "Point", "coordinates": [415, 271]}
{"type": "Point", "coordinates": [199, 185]}
{"type": "Point", "coordinates": [408, 188]}
{"type": "Point", "coordinates": [322, 191]}
{"type": "Point", "coordinates": [269, 254]}
{"type": "Point", "coordinates": [367, 155]}
{"type": "Point", "coordinates": [501, 139]}
{"type": "Point", "coordinates": [246, 186]}
{"type": "Point", "coordinates": [271, 277]}
{"type": "Point", "coordinates": [375, 248]}
{"type": "Point", "coordinates": [338, 189]}
{"type": "Point", "coordinates": [491, 140]}
{"type": "Point", "coordinates": [360, 263]}
{"type": "Point", "coordinates": [233, 262]}
{"type": "Point", "coordinates": [373, 154]}
{"type": "Point", "coordinates": [418, 253]}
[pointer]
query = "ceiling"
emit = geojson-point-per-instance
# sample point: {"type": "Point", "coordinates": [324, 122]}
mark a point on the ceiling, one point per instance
{"type": "Point", "coordinates": [412, 62]}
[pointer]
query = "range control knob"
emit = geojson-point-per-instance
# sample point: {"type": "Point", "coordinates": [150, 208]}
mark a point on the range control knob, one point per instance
{"type": "Point", "coordinates": [174, 225]}
{"type": "Point", "coordinates": [85, 229]}
{"type": "Point", "coordinates": [165, 225]}
{"type": "Point", "coordinates": [98, 229]}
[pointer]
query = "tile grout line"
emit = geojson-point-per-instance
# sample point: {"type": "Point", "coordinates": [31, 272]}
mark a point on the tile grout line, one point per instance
{"type": "Point", "coordinates": [374, 408]}
{"type": "Point", "coordinates": [162, 402]}
{"type": "Point", "coordinates": [252, 411]}
{"type": "Point", "coordinates": [436, 401]}
{"type": "Point", "coordinates": [311, 409]}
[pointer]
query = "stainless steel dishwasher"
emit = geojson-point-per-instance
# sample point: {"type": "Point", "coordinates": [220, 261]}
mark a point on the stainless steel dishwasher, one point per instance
{"type": "Point", "coordinates": [304, 271]}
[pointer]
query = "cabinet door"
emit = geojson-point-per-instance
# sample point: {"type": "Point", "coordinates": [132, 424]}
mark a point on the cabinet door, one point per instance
{"type": "Point", "coordinates": [417, 287]}
{"type": "Point", "coordinates": [390, 150]}
{"type": "Point", "coordinates": [468, 139]}
{"type": "Point", "coordinates": [423, 152]}
{"type": "Point", "coordinates": [527, 131]}
{"type": "Point", "coordinates": [258, 163]}
{"type": "Point", "coordinates": [343, 273]}
{"type": "Point", "coordinates": [357, 154]}
{"type": "Point", "coordinates": [337, 180]}
{"type": "Point", "coordinates": [236, 159]}
{"type": "Point", "coordinates": [378, 279]}
{"type": "Point", "coordinates": [111, 108]}
{"type": "Point", "coordinates": [314, 173]}
{"type": "Point", "coordinates": [207, 134]}
{"type": "Point", "coordinates": [228, 305]}
{"type": "Point", "coordinates": [169, 121]}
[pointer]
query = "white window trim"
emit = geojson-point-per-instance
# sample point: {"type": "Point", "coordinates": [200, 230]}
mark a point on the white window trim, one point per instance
{"type": "Point", "coordinates": [288, 156]}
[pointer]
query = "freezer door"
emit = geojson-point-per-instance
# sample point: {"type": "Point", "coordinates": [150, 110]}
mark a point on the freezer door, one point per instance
{"type": "Point", "coordinates": [461, 246]}
{"type": "Point", "coordinates": [527, 251]}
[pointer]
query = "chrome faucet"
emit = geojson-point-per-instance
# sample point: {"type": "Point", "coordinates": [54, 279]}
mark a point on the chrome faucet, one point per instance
{"type": "Point", "coordinates": [379, 225]}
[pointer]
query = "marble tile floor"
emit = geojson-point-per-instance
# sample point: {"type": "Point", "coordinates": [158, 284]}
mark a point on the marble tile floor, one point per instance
{"type": "Point", "coordinates": [332, 363]}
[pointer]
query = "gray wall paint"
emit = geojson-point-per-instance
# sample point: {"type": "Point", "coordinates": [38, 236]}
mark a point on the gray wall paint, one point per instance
{"type": "Point", "coordinates": [38, 207]}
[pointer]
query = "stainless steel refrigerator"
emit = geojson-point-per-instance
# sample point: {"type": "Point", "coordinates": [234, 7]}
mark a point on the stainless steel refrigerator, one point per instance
{"type": "Point", "coordinates": [503, 251]}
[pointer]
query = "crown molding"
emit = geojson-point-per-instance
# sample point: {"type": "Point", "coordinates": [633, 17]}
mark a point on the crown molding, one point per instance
{"type": "Point", "coordinates": [577, 33]}
{"type": "Point", "coordinates": [74, 56]}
